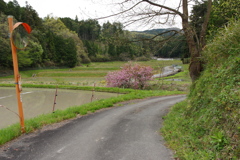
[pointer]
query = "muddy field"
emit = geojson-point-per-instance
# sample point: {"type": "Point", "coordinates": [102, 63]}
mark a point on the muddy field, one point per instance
{"type": "Point", "coordinates": [40, 101]}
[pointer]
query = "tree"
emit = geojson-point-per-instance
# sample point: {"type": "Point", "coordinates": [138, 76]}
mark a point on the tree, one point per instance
{"type": "Point", "coordinates": [223, 11]}
{"type": "Point", "coordinates": [130, 76]}
{"type": "Point", "coordinates": [89, 30]}
{"type": "Point", "coordinates": [5, 52]}
{"type": "Point", "coordinates": [30, 16]}
{"type": "Point", "coordinates": [13, 8]}
{"type": "Point", "coordinates": [56, 27]}
{"type": "Point", "coordinates": [5, 48]}
{"type": "Point", "coordinates": [66, 52]}
{"type": "Point", "coordinates": [156, 12]}
{"type": "Point", "coordinates": [3, 6]}
{"type": "Point", "coordinates": [24, 59]}
{"type": "Point", "coordinates": [197, 16]}
{"type": "Point", "coordinates": [175, 47]}
{"type": "Point", "coordinates": [35, 52]}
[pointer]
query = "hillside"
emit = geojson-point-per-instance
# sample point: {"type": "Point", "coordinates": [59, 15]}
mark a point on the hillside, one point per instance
{"type": "Point", "coordinates": [175, 47]}
{"type": "Point", "coordinates": [153, 32]}
{"type": "Point", "coordinates": [207, 124]}
{"type": "Point", "coordinates": [157, 31]}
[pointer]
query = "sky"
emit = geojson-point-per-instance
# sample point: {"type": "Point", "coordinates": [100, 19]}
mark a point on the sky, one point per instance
{"type": "Point", "coordinates": [84, 9]}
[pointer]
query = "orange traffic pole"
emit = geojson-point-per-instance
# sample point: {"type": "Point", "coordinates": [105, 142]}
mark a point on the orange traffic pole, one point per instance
{"type": "Point", "coordinates": [16, 75]}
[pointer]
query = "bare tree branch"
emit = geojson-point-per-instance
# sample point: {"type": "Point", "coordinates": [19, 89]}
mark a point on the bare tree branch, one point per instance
{"type": "Point", "coordinates": [179, 5]}
{"type": "Point", "coordinates": [165, 7]}
{"type": "Point", "coordinates": [119, 13]}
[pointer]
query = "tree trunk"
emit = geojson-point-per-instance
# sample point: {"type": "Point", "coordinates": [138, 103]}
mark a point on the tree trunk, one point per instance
{"type": "Point", "coordinates": [195, 66]}
{"type": "Point", "coordinates": [195, 48]}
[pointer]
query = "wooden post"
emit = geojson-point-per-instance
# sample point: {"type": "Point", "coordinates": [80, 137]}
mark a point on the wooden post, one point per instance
{"type": "Point", "coordinates": [55, 98]}
{"type": "Point", "coordinates": [93, 90]}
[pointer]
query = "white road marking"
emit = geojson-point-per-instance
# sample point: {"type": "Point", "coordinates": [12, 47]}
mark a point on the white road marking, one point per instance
{"type": "Point", "coordinates": [61, 149]}
{"type": "Point", "coordinates": [12, 95]}
{"type": "Point", "coordinates": [5, 97]}
{"type": "Point", "coordinates": [26, 92]}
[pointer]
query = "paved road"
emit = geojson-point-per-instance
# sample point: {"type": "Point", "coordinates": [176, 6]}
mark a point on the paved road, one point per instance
{"type": "Point", "coordinates": [128, 132]}
{"type": "Point", "coordinates": [167, 71]}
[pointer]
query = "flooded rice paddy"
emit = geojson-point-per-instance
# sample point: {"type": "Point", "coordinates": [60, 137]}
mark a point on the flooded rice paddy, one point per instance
{"type": "Point", "coordinates": [40, 101]}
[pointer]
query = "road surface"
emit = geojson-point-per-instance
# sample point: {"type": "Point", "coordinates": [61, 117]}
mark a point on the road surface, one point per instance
{"type": "Point", "coordinates": [167, 71]}
{"type": "Point", "coordinates": [127, 132]}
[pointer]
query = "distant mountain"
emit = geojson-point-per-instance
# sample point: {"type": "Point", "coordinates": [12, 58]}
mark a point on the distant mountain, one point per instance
{"type": "Point", "coordinates": [158, 31]}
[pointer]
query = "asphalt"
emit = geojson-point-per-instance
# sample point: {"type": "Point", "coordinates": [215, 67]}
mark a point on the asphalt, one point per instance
{"type": "Point", "coordinates": [167, 71]}
{"type": "Point", "coordinates": [127, 132]}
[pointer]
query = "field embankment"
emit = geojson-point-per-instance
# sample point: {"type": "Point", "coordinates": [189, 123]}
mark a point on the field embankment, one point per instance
{"type": "Point", "coordinates": [207, 125]}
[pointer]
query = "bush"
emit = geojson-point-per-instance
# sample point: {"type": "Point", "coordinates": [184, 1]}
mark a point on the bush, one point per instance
{"type": "Point", "coordinates": [131, 76]}
{"type": "Point", "coordinates": [99, 58]}
{"type": "Point", "coordinates": [143, 58]}
{"type": "Point", "coordinates": [125, 56]}
{"type": "Point", "coordinates": [85, 59]}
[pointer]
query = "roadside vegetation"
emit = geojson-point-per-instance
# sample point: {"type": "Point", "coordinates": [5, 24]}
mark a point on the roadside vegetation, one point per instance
{"type": "Point", "coordinates": [207, 125]}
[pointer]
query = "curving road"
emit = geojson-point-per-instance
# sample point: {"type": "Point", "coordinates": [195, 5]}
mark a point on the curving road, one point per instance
{"type": "Point", "coordinates": [127, 132]}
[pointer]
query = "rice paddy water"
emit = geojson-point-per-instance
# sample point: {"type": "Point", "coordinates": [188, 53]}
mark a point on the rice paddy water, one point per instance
{"type": "Point", "coordinates": [38, 101]}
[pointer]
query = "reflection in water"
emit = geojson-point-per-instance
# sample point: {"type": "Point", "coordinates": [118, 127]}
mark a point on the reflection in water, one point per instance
{"type": "Point", "coordinates": [40, 101]}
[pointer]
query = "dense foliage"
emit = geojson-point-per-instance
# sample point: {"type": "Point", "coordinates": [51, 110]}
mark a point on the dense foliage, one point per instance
{"type": "Point", "coordinates": [222, 12]}
{"type": "Point", "coordinates": [51, 43]}
{"type": "Point", "coordinates": [207, 125]}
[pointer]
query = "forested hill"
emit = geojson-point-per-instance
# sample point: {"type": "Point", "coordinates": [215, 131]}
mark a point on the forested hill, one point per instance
{"type": "Point", "coordinates": [176, 46]}
{"type": "Point", "coordinates": [158, 31]}
{"type": "Point", "coordinates": [70, 42]}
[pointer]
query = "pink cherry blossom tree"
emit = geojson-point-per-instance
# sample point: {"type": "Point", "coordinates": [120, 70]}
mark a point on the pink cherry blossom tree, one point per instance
{"type": "Point", "coordinates": [130, 76]}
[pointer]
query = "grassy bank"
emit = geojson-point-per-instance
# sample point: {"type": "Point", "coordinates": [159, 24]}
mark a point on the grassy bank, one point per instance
{"type": "Point", "coordinates": [13, 131]}
{"type": "Point", "coordinates": [207, 125]}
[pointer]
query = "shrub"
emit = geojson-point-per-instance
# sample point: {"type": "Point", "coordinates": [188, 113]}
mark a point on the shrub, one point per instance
{"type": "Point", "coordinates": [143, 58]}
{"type": "Point", "coordinates": [100, 58]}
{"type": "Point", "coordinates": [130, 76]}
{"type": "Point", "coordinates": [84, 59]}
{"type": "Point", "coordinates": [125, 56]}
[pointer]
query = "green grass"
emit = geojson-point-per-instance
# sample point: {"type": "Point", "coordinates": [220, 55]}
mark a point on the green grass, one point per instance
{"type": "Point", "coordinates": [72, 74]}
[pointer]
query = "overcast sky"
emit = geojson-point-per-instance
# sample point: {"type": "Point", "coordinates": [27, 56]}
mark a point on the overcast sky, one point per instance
{"type": "Point", "coordinates": [84, 9]}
